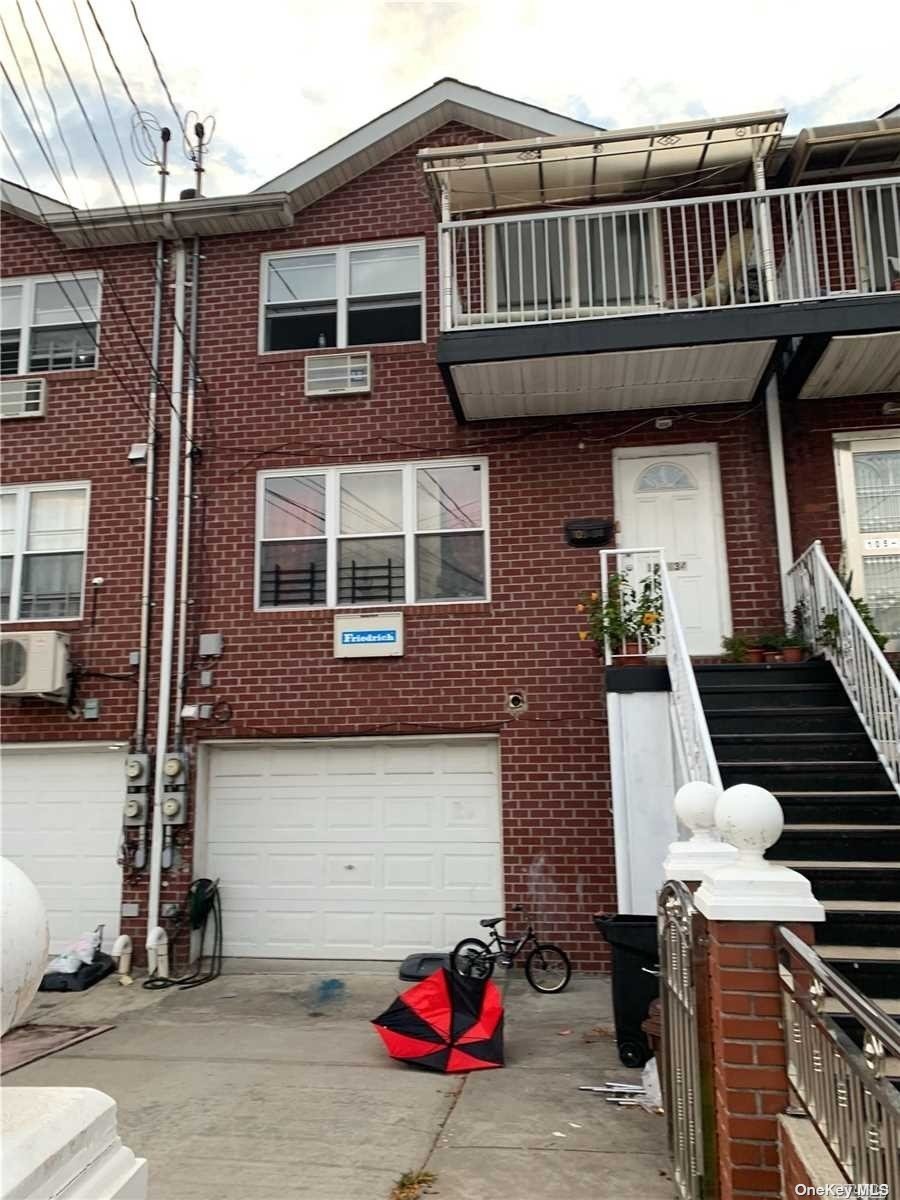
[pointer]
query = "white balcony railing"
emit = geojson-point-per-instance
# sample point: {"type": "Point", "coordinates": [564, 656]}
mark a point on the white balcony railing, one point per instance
{"type": "Point", "coordinates": [734, 251]}
{"type": "Point", "coordinates": [635, 582]}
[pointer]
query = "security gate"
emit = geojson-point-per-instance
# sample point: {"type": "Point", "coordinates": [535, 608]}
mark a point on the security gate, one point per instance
{"type": "Point", "coordinates": [680, 1052]}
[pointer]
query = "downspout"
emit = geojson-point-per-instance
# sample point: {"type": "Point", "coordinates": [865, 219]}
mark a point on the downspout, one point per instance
{"type": "Point", "coordinates": [187, 498]}
{"type": "Point", "coordinates": [779, 492]}
{"type": "Point", "coordinates": [765, 227]}
{"type": "Point", "coordinates": [167, 643]}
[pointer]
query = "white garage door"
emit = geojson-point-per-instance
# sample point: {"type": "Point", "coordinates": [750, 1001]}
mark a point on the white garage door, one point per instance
{"type": "Point", "coordinates": [62, 821]}
{"type": "Point", "coordinates": [357, 849]}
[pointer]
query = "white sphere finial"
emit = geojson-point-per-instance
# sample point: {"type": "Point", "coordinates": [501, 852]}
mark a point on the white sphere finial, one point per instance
{"type": "Point", "coordinates": [25, 942]}
{"type": "Point", "coordinates": [750, 818]}
{"type": "Point", "coordinates": [695, 807]}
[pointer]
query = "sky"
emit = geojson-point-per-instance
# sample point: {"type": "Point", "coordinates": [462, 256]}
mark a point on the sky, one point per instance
{"type": "Point", "coordinates": [284, 78]}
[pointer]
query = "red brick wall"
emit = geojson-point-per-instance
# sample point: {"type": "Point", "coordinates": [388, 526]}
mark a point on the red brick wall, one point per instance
{"type": "Point", "coordinates": [750, 1082]}
{"type": "Point", "coordinates": [277, 675]}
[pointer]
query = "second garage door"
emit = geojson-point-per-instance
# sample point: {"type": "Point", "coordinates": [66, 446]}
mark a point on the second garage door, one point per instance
{"type": "Point", "coordinates": [354, 849]}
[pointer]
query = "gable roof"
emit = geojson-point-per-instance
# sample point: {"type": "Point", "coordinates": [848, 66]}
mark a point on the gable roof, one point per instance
{"type": "Point", "coordinates": [31, 205]}
{"type": "Point", "coordinates": [446, 100]}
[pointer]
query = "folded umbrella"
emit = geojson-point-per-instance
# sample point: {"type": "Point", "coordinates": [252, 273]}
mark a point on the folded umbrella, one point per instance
{"type": "Point", "coordinates": [445, 1023]}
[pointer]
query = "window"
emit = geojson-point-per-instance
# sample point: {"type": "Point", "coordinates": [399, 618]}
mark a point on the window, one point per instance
{"type": "Point", "coordinates": [49, 324]}
{"type": "Point", "coordinates": [399, 533]}
{"type": "Point", "coordinates": [350, 296]}
{"type": "Point", "coordinates": [43, 536]}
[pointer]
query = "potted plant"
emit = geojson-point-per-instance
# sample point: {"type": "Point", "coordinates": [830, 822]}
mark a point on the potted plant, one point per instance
{"type": "Point", "coordinates": [630, 617]}
{"type": "Point", "coordinates": [742, 648]}
{"type": "Point", "coordinates": [772, 643]}
{"type": "Point", "coordinates": [795, 649]}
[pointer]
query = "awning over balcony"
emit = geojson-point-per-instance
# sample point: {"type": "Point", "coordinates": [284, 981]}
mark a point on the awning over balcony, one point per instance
{"type": "Point", "coordinates": [649, 160]}
{"type": "Point", "coordinates": [611, 382]}
{"type": "Point", "coordinates": [859, 365]}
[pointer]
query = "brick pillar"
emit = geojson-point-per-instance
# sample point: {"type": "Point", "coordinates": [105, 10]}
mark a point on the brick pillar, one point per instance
{"type": "Point", "coordinates": [747, 1032]}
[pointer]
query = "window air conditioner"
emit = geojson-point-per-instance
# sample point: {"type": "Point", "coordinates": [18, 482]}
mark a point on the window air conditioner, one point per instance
{"type": "Point", "coordinates": [34, 664]}
{"type": "Point", "coordinates": [338, 374]}
{"type": "Point", "coordinates": [22, 397]}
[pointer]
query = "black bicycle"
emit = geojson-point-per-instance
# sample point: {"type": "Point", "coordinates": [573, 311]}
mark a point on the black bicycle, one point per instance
{"type": "Point", "coordinates": [547, 968]}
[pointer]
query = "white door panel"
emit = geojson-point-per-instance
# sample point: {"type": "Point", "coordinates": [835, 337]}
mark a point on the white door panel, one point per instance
{"type": "Point", "coordinates": [671, 499]}
{"type": "Point", "coordinates": [372, 850]}
{"type": "Point", "coordinates": [62, 821]}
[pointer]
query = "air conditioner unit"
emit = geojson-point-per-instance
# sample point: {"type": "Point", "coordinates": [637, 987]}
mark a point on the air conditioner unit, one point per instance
{"type": "Point", "coordinates": [338, 374]}
{"type": "Point", "coordinates": [22, 397]}
{"type": "Point", "coordinates": [34, 664]}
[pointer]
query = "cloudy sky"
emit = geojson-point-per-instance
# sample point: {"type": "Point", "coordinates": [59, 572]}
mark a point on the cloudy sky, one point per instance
{"type": "Point", "coordinates": [286, 77]}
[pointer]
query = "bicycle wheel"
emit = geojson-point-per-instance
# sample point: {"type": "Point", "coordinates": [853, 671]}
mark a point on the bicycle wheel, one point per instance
{"type": "Point", "coordinates": [472, 959]}
{"type": "Point", "coordinates": [547, 969]}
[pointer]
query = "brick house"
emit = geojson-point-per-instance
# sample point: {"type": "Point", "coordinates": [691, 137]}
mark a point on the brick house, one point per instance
{"type": "Point", "coordinates": [387, 382]}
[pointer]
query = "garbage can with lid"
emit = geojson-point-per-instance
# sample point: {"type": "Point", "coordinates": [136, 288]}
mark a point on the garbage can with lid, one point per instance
{"type": "Point", "coordinates": [635, 980]}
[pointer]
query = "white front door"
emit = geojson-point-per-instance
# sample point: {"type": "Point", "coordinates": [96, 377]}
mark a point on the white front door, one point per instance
{"type": "Point", "coordinates": [62, 822]}
{"type": "Point", "coordinates": [360, 848]}
{"type": "Point", "coordinates": [869, 469]}
{"type": "Point", "coordinates": [670, 497]}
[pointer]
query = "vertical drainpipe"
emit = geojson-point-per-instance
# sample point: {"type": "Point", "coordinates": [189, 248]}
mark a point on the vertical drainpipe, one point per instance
{"type": "Point", "coordinates": [767, 265]}
{"type": "Point", "coordinates": [187, 499]}
{"type": "Point", "coordinates": [445, 251]}
{"type": "Point", "coordinates": [140, 723]}
{"type": "Point", "coordinates": [779, 491]}
{"type": "Point", "coordinates": [169, 589]}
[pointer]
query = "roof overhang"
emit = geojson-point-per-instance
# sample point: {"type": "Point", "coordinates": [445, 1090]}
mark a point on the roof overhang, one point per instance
{"type": "Point", "coordinates": [414, 119]}
{"type": "Point", "coordinates": [856, 365]}
{"type": "Point", "coordinates": [27, 204]}
{"type": "Point", "coordinates": [203, 217]}
{"type": "Point", "coordinates": [832, 152]}
{"type": "Point", "coordinates": [617, 381]}
{"type": "Point", "coordinates": [648, 160]}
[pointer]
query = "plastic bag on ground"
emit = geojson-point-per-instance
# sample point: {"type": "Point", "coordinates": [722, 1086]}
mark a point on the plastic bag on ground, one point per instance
{"type": "Point", "coordinates": [652, 1098]}
{"type": "Point", "coordinates": [80, 952]}
{"type": "Point", "coordinates": [65, 964]}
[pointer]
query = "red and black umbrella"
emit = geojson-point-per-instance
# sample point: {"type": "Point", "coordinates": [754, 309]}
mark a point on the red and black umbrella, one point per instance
{"type": "Point", "coordinates": [445, 1023]}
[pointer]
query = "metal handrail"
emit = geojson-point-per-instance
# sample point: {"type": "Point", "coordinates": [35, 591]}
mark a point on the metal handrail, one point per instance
{"type": "Point", "coordinates": [868, 678]}
{"type": "Point", "coordinates": [697, 759]}
{"type": "Point", "coordinates": [840, 1086]}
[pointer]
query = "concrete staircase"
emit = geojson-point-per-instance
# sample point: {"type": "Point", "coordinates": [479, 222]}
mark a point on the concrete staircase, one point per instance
{"type": "Point", "coordinates": [791, 729]}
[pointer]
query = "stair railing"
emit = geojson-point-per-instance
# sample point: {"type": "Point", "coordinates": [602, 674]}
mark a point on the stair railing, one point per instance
{"type": "Point", "coordinates": [833, 627]}
{"type": "Point", "coordinates": [839, 1084]}
{"type": "Point", "coordinates": [690, 732]}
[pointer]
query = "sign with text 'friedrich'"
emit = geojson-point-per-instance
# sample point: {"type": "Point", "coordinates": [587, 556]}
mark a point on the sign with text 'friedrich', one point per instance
{"type": "Point", "coordinates": [374, 635]}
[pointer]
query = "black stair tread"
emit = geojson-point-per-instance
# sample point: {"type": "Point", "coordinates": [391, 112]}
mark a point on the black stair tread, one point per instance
{"type": "Point", "coordinates": [850, 794]}
{"type": "Point", "coordinates": [835, 827]}
{"type": "Point", "coordinates": [793, 765]}
{"type": "Point", "coordinates": [816, 666]}
{"type": "Point", "coordinates": [745, 685]}
{"type": "Point", "coordinates": [796, 710]}
{"type": "Point", "coordinates": [862, 907]}
{"type": "Point", "coordinates": [792, 736]}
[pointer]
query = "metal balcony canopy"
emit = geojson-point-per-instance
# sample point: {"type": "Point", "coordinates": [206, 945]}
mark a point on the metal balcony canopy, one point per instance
{"type": "Point", "coordinates": [855, 149]}
{"type": "Point", "coordinates": [653, 160]}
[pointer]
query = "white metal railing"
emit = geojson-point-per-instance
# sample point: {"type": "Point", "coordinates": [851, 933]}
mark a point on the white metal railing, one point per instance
{"type": "Point", "coordinates": [841, 1086]}
{"type": "Point", "coordinates": [749, 248]}
{"type": "Point", "coordinates": [647, 580]}
{"type": "Point", "coordinates": [832, 625]}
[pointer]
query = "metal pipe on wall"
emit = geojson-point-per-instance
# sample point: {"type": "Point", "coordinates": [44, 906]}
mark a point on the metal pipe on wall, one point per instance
{"type": "Point", "coordinates": [187, 496]}
{"type": "Point", "coordinates": [779, 492]}
{"type": "Point", "coordinates": [169, 589]}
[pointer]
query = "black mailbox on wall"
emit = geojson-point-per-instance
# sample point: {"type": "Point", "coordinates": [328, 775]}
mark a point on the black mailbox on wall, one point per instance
{"type": "Point", "coordinates": [589, 532]}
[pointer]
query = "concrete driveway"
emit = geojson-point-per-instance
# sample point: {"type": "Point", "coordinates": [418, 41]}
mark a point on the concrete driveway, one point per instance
{"type": "Point", "coordinates": [269, 1083]}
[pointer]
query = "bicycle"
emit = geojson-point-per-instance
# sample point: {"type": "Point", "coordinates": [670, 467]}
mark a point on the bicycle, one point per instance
{"type": "Point", "coordinates": [547, 968]}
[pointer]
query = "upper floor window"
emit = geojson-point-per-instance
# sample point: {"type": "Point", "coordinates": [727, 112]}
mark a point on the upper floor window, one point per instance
{"type": "Point", "coordinates": [402, 533]}
{"type": "Point", "coordinates": [43, 537]}
{"type": "Point", "coordinates": [49, 323]}
{"type": "Point", "coordinates": [349, 296]}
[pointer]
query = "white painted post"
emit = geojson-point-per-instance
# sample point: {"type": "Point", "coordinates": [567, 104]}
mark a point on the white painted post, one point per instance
{"type": "Point", "coordinates": [752, 888]}
{"type": "Point", "coordinates": [690, 860]}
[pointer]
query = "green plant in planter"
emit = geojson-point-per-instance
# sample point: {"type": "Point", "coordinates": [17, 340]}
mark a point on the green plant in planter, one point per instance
{"type": "Point", "coordinates": [772, 639]}
{"type": "Point", "coordinates": [829, 633]}
{"type": "Point", "coordinates": [630, 614]}
{"type": "Point", "coordinates": [736, 646]}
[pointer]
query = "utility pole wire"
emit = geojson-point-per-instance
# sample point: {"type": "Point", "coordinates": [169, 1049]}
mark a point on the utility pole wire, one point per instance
{"type": "Point", "coordinates": [54, 166]}
{"type": "Point", "coordinates": [178, 117]}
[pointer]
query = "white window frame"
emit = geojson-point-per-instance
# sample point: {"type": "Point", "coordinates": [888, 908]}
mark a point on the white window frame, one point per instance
{"type": "Point", "coordinates": [409, 533]}
{"type": "Point", "coordinates": [342, 287]}
{"type": "Point", "coordinates": [23, 493]}
{"type": "Point", "coordinates": [28, 284]}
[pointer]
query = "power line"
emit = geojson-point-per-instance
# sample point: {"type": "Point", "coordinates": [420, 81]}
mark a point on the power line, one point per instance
{"type": "Point", "coordinates": [178, 117]}
{"type": "Point", "coordinates": [54, 166]}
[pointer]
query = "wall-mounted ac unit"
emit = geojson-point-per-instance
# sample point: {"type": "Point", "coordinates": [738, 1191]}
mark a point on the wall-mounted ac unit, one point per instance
{"type": "Point", "coordinates": [338, 374]}
{"type": "Point", "coordinates": [22, 397]}
{"type": "Point", "coordinates": [34, 664]}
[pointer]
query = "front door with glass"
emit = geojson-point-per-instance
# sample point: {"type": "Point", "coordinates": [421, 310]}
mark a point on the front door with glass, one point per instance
{"type": "Point", "coordinates": [869, 473]}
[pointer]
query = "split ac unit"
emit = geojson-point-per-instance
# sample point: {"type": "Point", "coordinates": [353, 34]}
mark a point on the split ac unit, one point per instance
{"type": "Point", "coordinates": [338, 374]}
{"type": "Point", "coordinates": [34, 664]}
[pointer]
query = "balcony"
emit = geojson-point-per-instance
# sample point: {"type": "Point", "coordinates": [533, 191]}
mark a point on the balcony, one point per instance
{"type": "Point", "coordinates": [669, 302]}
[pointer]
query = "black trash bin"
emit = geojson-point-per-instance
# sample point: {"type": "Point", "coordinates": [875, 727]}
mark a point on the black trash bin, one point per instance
{"type": "Point", "coordinates": [635, 980]}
